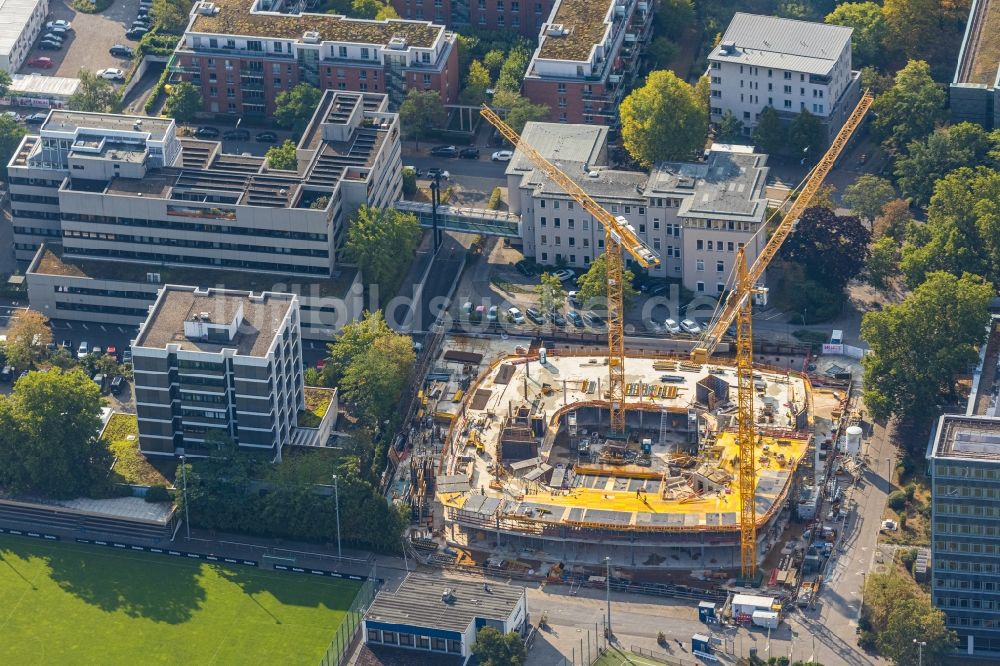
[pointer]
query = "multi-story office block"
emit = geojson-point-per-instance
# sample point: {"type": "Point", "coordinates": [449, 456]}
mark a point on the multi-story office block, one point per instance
{"type": "Point", "coordinates": [242, 53]}
{"type": "Point", "coordinates": [789, 65]}
{"type": "Point", "coordinates": [523, 16]}
{"type": "Point", "coordinates": [587, 57]}
{"type": "Point", "coordinates": [23, 22]}
{"type": "Point", "coordinates": [693, 215]}
{"type": "Point", "coordinates": [218, 360]}
{"type": "Point", "coordinates": [112, 188]}
{"type": "Point", "coordinates": [964, 465]}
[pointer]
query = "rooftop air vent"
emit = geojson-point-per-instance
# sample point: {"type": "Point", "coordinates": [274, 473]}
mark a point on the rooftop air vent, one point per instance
{"type": "Point", "coordinates": [593, 174]}
{"type": "Point", "coordinates": [447, 596]}
{"type": "Point", "coordinates": [556, 30]}
{"type": "Point", "coordinates": [397, 43]}
{"type": "Point", "coordinates": [728, 48]}
{"type": "Point", "coordinates": [207, 9]}
{"type": "Point", "coordinates": [310, 37]}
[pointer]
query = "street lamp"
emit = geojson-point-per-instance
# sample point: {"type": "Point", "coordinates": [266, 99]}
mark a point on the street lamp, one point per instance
{"type": "Point", "coordinates": [184, 477]}
{"type": "Point", "coordinates": [607, 581]}
{"type": "Point", "coordinates": [336, 498]}
{"type": "Point", "coordinates": [920, 651]}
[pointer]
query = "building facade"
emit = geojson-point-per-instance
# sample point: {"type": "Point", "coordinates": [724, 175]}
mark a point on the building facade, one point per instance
{"type": "Point", "coordinates": [23, 21]}
{"type": "Point", "coordinates": [218, 361]}
{"type": "Point", "coordinates": [791, 66]}
{"type": "Point", "coordinates": [523, 16]}
{"type": "Point", "coordinates": [974, 94]}
{"type": "Point", "coordinates": [242, 54]}
{"type": "Point", "coordinates": [964, 466]}
{"type": "Point", "coordinates": [587, 57]}
{"type": "Point", "coordinates": [123, 189]}
{"type": "Point", "coordinates": [694, 216]}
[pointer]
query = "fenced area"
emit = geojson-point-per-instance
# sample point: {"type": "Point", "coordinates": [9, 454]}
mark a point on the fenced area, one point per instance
{"type": "Point", "coordinates": [73, 603]}
{"type": "Point", "coordinates": [342, 641]}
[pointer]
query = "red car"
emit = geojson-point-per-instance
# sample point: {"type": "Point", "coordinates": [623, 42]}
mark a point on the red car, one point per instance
{"type": "Point", "coordinates": [42, 61]}
{"type": "Point", "coordinates": [112, 350]}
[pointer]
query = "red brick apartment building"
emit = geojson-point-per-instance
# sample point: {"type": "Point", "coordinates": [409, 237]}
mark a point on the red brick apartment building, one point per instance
{"type": "Point", "coordinates": [587, 57]}
{"type": "Point", "coordinates": [241, 55]}
{"type": "Point", "coordinates": [523, 16]}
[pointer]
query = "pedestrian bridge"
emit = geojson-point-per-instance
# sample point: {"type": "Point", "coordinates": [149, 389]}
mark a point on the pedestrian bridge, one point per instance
{"type": "Point", "coordinates": [466, 220]}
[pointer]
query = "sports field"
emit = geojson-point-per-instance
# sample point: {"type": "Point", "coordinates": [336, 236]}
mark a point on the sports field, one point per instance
{"type": "Point", "coordinates": [72, 604]}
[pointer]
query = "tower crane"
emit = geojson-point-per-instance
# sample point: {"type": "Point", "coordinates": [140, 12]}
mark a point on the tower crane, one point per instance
{"type": "Point", "coordinates": [619, 235]}
{"type": "Point", "coordinates": [738, 306]}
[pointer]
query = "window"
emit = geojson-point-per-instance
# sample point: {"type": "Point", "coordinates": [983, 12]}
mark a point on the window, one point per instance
{"type": "Point", "coordinates": [720, 287]}
{"type": "Point", "coordinates": [720, 267]}
{"type": "Point", "coordinates": [427, 79]}
{"type": "Point", "coordinates": [561, 87]}
{"type": "Point", "coordinates": [699, 244]}
{"type": "Point", "coordinates": [277, 46]}
{"type": "Point", "coordinates": [788, 103]}
{"type": "Point", "coordinates": [571, 223]}
{"type": "Point", "coordinates": [555, 222]}
{"type": "Point", "coordinates": [543, 220]}
{"type": "Point", "coordinates": [544, 240]}
{"type": "Point", "coordinates": [342, 51]}
{"type": "Point", "coordinates": [699, 265]}
{"type": "Point", "coordinates": [425, 57]}
{"type": "Point", "coordinates": [788, 76]}
{"type": "Point", "coordinates": [716, 79]}
{"type": "Point", "coordinates": [700, 286]}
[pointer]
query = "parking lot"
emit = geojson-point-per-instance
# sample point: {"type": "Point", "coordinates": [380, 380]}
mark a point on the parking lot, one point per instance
{"type": "Point", "coordinates": [86, 46]}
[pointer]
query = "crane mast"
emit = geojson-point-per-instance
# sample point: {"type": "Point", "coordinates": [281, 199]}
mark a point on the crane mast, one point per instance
{"type": "Point", "coordinates": [619, 235]}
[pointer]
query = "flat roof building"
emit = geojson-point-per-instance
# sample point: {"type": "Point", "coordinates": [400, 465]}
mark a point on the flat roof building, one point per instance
{"type": "Point", "coordinates": [431, 613]}
{"type": "Point", "coordinates": [975, 90]}
{"type": "Point", "coordinates": [515, 16]}
{"type": "Point", "coordinates": [221, 361]}
{"type": "Point", "coordinates": [788, 65]}
{"type": "Point", "coordinates": [964, 466]}
{"type": "Point", "coordinates": [22, 23]}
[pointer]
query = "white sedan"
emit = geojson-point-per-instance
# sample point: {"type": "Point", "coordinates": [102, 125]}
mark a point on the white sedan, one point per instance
{"type": "Point", "coordinates": [672, 326]}
{"type": "Point", "coordinates": [111, 74]}
{"type": "Point", "coordinates": [515, 316]}
{"type": "Point", "coordinates": [502, 156]}
{"type": "Point", "coordinates": [690, 326]}
{"type": "Point", "coordinates": [61, 23]}
{"type": "Point", "coordinates": [563, 274]}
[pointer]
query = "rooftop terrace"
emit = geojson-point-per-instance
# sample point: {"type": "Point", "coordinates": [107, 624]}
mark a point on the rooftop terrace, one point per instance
{"type": "Point", "coordinates": [234, 17]}
{"type": "Point", "coordinates": [587, 21]}
{"type": "Point", "coordinates": [980, 54]}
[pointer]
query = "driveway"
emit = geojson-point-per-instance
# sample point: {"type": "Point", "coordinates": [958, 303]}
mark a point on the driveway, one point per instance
{"type": "Point", "coordinates": [87, 45]}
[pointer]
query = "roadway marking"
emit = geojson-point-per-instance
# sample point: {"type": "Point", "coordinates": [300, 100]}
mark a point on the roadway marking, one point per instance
{"type": "Point", "coordinates": [69, 325]}
{"type": "Point", "coordinates": [103, 329]}
{"type": "Point", "coordinates": [85, 327]}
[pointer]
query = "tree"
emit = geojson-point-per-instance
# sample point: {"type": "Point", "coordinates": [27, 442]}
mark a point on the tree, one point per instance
{"type": "Point", "coordinates": [365, 9]}
{"type": "Point", "coordinates": [874, 80]}
{"type": "Point", "coordinates": [421, 112]}
{"type": "Point", "coordinates": [921, 344]}
{"type": "Point", "coordinates": [551, 294]}
{"type": "Point", "coordinates": [868, 42]}
{"type": "Point", "coordinates": [831, 248]}
{"type": "Point", "coordinates": [928, 29]}
{"type": "Point", "coordinates": [283, 156]}
{"type": "Point", "coordinates": [496, 649]}
{"type": "Point", "coordinates": [48, 435]}
{"type": "Point", "coordinates": [893, 221]}
{"type": "Point", "coordinates": [673, 18]}
{"type": "Point", "coordinates": [663, 120]}
{"type": "Point", "coordinates": [172, 16]}
{"type": "Point", "coordinates": [911, 108]}
{"type": "Point", "coordinates": [375, 379]}
{"type": "Point", "coordinates": [730, 128]}
{"type": "Point", "coordinates": [513, 69]}
{"type": "Point", "coordinates": [493, 60]}
{"type": "Point", "coordinates": [946, 149]}
{"type": "Point", "coordinates": [353, 340]}
{"type": "Point", "coordinates": [5, 81]}
{"type": "Point", "coordinates": [94, 94]}
{"type": "Point", "coordinates": [409, 181]}
{"type": "Point", "coordinates": [523, 112]}
{"type": "Point", "coordinates": [962, 233]}
{"type": "Point", "coordinates": [183, 102]}
{"type": "Point", "coordinates": [806, 137]}
{"type": "Point", "coordinates": [386, 12]}
{"type": "Point", "coordinates": [770, 134]}
{"type": "Point", "coordinates": [661, 52]}
{"type": "Point", "coordinates": [883, 262]}
{"type": "Point", "coordinates": [476, 83]}
{"type": "Point", "coordinates": [11, 133]}
{"type": "Point", "coordinates": [381, 241]}
{"type": "Point", "coordinates": [26, 340]}
{"type": "Point", "coordinates": [294, 108]}
{"type": "Point", "coordinates": [898, 612]}
{"type": "Point", "coordinates": [868, 195]}
{"type": "Point", "coordinates": [593, 285]}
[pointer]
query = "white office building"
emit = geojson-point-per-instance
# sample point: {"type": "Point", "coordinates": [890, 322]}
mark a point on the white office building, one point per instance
{"type": "Point", "coordinates": [22, 21]}
{"type": "Point", "coordinates": [785, 64]}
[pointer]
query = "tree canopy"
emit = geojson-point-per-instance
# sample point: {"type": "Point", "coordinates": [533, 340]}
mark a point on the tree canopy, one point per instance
{"type": "Point", "coordinates": [551, 294]}
{"type": "Point", "coordinates": [919, 345]}
{"type": "Point", "coordinates": [48, 435]}
{"type": "Point", "coordinates": [911, 108]}
{"type": "Point", "coordinates": [870, 31]}
{"type": "Point", "coordinates": [927, 29]}
{"type": "Point", "coordinates": [929, 159]}
{"type": "Point", "coordinates": [593, 285]}
{"type": "Point", "coordinates": [962, 233]}
{"type": "Point", "coordinates": [477, 81]}
{"type": "Point", "coordinates": [897, 613]}
{"type": "Point", "coordinates": [183, 102]}
{"type": "Point", "coordinates": [512, 71]}
{"type": "Point", "coordinates": [421, 112]}
{"type": "Point", "coordinates": [294, 108]}
{"type": "Point", "coordinates": [94, 94]}
{"type": "Point", "coordinates": [382, 242]}
{"type": "Point", "coordinates": [27, 337]}
{"type": "Point", "coordinates": [11, 133]}
{"type": "Point", "coordinates": [893, 220]}
{"type": "Point", "coordinates": [868, 195]}
{"type": "Point", "coordinates": [883, 262]}
{"type": "Point", "coordinates": [769, 133]}
{"type": "Point", "coordinates": [496, 649]}
{"type": "Point", "coordinates": [282, 156]}
{"type": "Point", "coordinates": [831, 248]}
{"type": "Point", "coordinates": [171, 16]}
{"type": "Point", "coordinates": [665, 119]}
{"type": "Point", "coordinates": [806, 137]}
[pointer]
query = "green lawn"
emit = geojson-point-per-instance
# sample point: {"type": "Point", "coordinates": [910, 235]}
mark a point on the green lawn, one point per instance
{"type": "Point", "coordinates": [73, 604]}
{"type": "Point", "coordinates": [617, 657]}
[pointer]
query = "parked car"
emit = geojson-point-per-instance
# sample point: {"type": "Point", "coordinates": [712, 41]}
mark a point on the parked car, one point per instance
{"type": "Point", "coordinates": [36, 118]}
{"type": "Point", "coordinates": [7, 374]}
{"type": "Point", "coordinates": [525, 268]}
{"type": "Point", "coordinates": [111, 351]}
{"type": "Point", "coordinates": [13, 115]}
{"type": "Point", "coordinates": [672, 326]}
{"type": "Point", "coordinates": [575, 318]}
{"type": "Point", "coordinates": [417, 173]}
{"type": "Point", "coordinates": [467, 308]}
{"type": "Point", "coordinates": [117, 383]}
{"type": "Point", "coordinates": [236, 135]}
{"type": "Point", "coordinates": [127, 356]}
{"type": "Point", "coordinates": [471, 153]}
{"type": "Point", "coordinates": [444, 151]}
{"type": "Point", "coordinates": [61, 23]}
{"type": "Point", "coordinates": [690, 326]}
{"type": "Point", "coordinates": [535, 316]}
{"type": "Point", "coordinates": [435, 171]}
{"type": "Point", "coordinates": [557, 318]}
{"type": "Point", "coordinates": [50, 45]}
{"type": "Point", "coordinates": [67, 344]}
{"type": "Point", "coordinates": [502, 156]}
{"type": "Point", "coordinates": [41, 62]}
{"type": "Point", "coordinates": [571, 296]}
{"type": "Point", "coordinates": [563, 274]}
{"type": "Point", "coordinates": [121, 51]}
{"type": "Point", "coordinates": [52, 37]}
{"type": "Point", "coordinates": [99, 380]}
{"type": "Point", "coordinates": [111, 74]}
{"type": "Point", "coordinates": [207, 133]}
{"type": "Point", "coordinates": [61, 32]}
{"type": "Point", "coordinates": [82, 350]}
{"type": "Point", "coordinates": [139, 23]}
{"type": "Point", "coordinates": [266, 137]}
{"type": "Point", "coordinates": [514, 315]}
{"type": "Point", "coordinates": [50, 347]}
{"type": "Point", "coordinates": [96, 350]}
{"type": "Point", "coordinates": [593, 319]}
{"type": "Point", "coordinates": [493, 314]}
{"type": "Point", "coordinates": [135, 34]}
